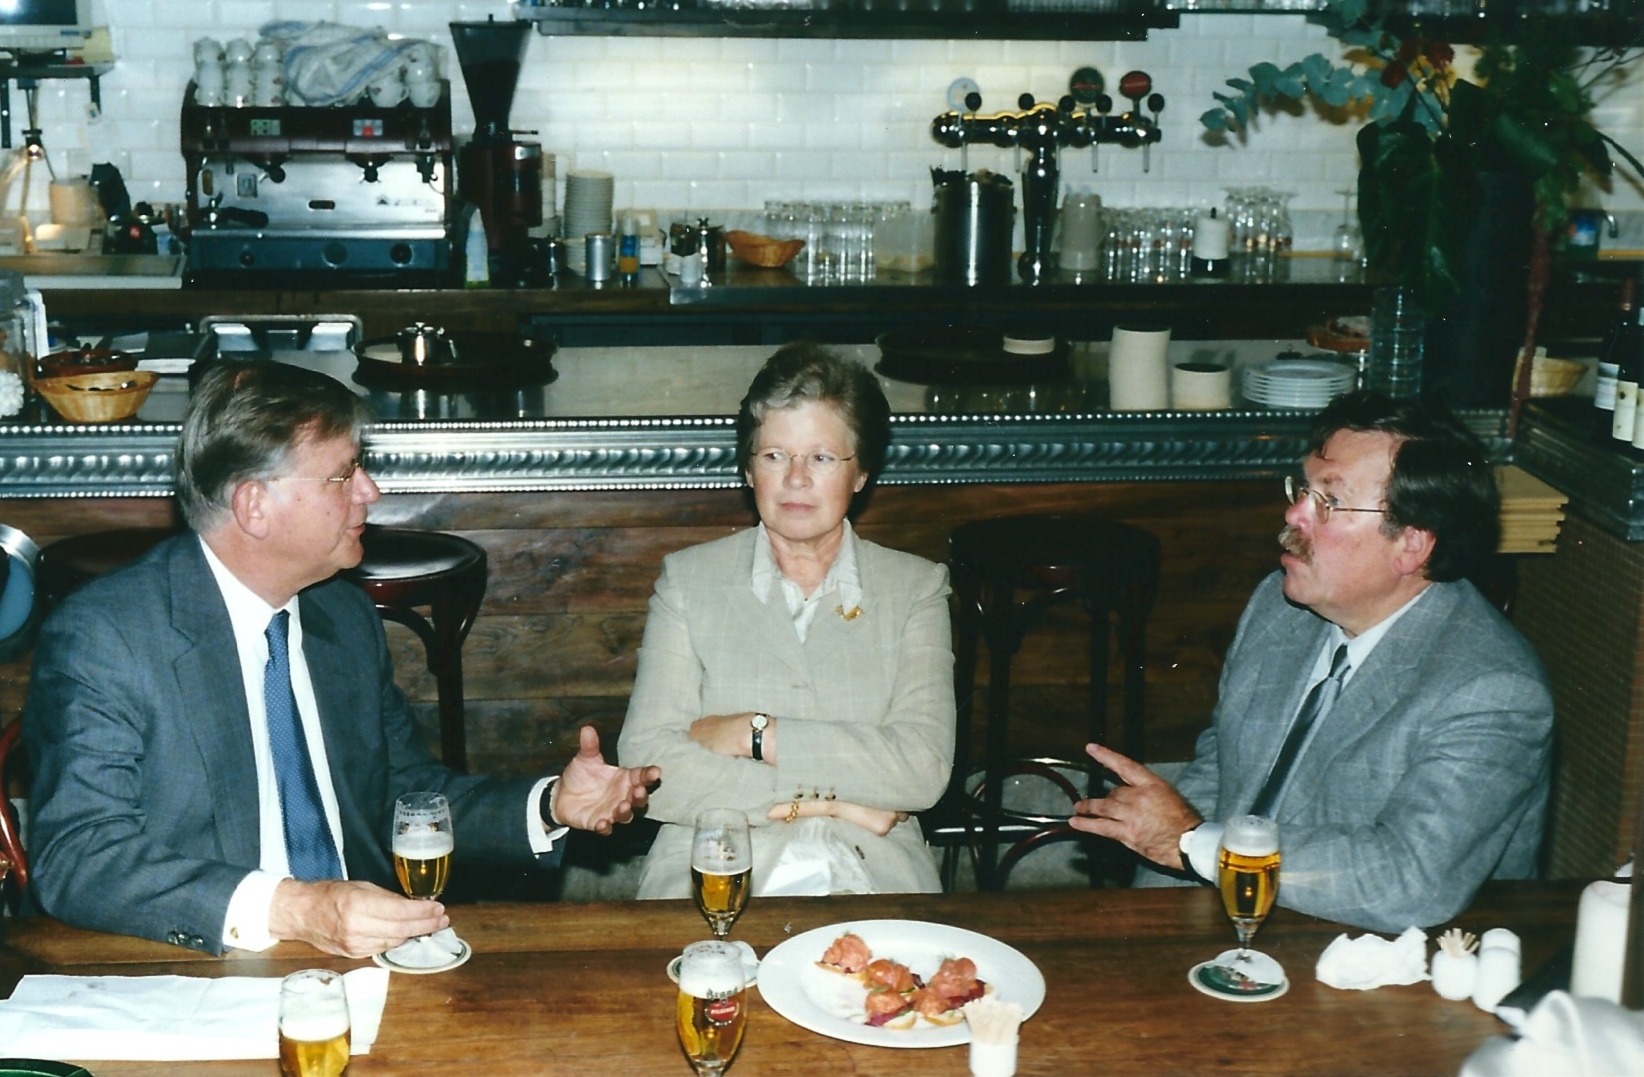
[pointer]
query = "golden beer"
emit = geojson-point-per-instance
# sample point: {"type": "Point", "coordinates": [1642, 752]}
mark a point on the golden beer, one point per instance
{"type": "Point", "coordinates": [711, 1011]}
{"type": "Point", "coordinates": [720, 898]}
{"type": "Point", "coordinates": [314, 1025]}
{"type": "Point", "coordinates": [1248, 884]}
{"type": "Point", "coordinates": [422, 860]}
{"type": "Point", "coordinates": [313, 1058]}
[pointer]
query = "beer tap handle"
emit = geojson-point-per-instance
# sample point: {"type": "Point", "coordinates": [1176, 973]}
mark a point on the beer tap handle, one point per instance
{"type": "Point", "coordinates": [1155, 105]}
{"type": "Point", "coordinates": [973, 104]}
{"type": "Point", "coordinates": [973, 101]}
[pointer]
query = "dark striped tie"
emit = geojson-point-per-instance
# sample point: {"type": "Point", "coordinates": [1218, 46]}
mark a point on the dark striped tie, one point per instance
{"type": "Point", "coordinates": [308, 846]}
{"type": "Point", "coordinates": [1315, 706]}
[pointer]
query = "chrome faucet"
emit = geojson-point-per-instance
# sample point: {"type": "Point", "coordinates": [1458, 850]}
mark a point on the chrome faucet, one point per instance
{"type": "Point", "coordinates": [1040, 128]}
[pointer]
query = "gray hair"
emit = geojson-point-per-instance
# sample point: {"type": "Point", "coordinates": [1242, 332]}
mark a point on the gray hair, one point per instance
{"type": "Point", "coordinates": [804, 371]}
{"type": "Point", "coordinates": [243, 421]}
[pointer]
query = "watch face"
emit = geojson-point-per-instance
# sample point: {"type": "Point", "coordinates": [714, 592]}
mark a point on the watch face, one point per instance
{"type": "Point", "coordinates": [759, 722]}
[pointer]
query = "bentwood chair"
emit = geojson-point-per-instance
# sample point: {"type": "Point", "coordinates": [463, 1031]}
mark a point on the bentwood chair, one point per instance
{"type": "Point", "coordinates": [1112, 570]}
{"type": "Point", "coordinates": [11, 834]}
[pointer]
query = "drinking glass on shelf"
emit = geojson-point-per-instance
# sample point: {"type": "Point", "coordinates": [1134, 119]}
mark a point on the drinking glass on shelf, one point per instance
{"type": "Point", "coordinates": [313, 1024]}
{"type": "Point", "coordinates": [711, 1011]}
{"type": "Point", "coordinates": [1247, 872]}
{"type": "Point", "coordinates": [721, 867]}
{"type": "Point", "coordinates": [423, 844]}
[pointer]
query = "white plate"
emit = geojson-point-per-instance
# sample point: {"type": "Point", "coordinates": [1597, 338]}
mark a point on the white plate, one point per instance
{"type": "Point", "coordinates": [831, 1004]}
{"type": "Point", "coordinates": [410, 970]}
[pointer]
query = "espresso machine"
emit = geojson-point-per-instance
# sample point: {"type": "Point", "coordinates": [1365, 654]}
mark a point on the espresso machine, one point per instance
{"type": "Point", "coordinates": [355, 194]}
{"type": "Point", "coordinates": [1040, 128]}
{"type": "Point", "coordinates": [497, 172]}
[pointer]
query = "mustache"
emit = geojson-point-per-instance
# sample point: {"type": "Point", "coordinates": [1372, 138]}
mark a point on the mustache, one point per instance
{"type": "Point", "coordinates": [1296, 544]}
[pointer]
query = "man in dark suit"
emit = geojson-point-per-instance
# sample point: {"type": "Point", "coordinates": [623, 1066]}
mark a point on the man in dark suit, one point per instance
{"type": "Point", "coordinates": [216, 734]}
{"type": "Point", "coordinates": [1389, 719]}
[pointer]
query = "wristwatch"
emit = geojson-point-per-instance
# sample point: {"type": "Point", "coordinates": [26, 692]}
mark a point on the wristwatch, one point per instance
{"type": "Point", "coordinates": [759, 722]}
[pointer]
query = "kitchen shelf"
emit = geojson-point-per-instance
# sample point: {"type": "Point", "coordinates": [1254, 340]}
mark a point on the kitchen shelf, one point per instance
{"type": "Point", "coordinates": [940, 20]}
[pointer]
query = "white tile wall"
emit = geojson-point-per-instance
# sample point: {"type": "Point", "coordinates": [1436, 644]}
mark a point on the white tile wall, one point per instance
{"type": "Point", "coordinates": [710, 124]}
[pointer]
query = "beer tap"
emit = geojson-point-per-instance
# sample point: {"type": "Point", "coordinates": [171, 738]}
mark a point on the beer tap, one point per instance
{"type": "Point", "coordinates": [1040, 128]}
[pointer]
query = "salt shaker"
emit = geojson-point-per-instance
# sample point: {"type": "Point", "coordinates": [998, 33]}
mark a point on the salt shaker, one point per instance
{"type": "Point", "coordinates": [1498, 973]}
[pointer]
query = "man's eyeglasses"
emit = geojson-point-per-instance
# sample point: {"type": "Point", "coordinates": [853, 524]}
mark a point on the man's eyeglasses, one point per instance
{"type": "Point", "coordinates": [777, 461]}
{"type": "Point", "coordinates": [1323, 504]}
{"type": "Point", "coordinates": [343, 479]}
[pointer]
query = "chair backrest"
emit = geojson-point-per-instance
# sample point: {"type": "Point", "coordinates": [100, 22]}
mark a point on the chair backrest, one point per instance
{"type": "Point", "coordinates": [11, 837]}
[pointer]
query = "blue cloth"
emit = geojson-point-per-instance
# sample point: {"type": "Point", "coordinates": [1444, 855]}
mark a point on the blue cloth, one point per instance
{"type": "Point", "coordinates": [308, 846]}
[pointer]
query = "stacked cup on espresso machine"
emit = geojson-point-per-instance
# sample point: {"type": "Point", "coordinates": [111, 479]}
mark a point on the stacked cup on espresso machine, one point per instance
{"type": "Point", "coordinates": [496, 172]}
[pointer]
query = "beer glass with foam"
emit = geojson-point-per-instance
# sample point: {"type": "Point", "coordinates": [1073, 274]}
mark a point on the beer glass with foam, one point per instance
{"type": "Point", "coordinates": [423, 843]}
{"type": "Point", "coordinates": [313, 1024]}
{"type": "Point", "coordinates": [721, 867]}
{"type": "Point", "coordinates": [1248, 874]}
{"type": "Point", "coordinates": [712, 1008]}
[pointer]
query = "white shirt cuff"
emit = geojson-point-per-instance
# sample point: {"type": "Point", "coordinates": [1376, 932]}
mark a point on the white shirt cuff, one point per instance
{"type": "Point", "coordinates": [246, 925]}
{"type": "Point", "coordinates": [1203, 845]}
{"type": "Point", "coordinates": [542, 839]}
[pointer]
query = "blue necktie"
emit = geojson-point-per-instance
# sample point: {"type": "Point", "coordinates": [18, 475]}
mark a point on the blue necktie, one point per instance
{"type": "Point", "coordinates": [1316, 706]}
{"type": "Point", "coordinates": [308, 846]}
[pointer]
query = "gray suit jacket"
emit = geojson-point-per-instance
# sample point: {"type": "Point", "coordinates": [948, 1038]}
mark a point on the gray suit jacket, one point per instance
{"type": "Point", "coordinates": [1429, 776]}
{"type": "Point", "coordinates": [864, 706]}
{"type": "Point", "coordinates": [144, 802]}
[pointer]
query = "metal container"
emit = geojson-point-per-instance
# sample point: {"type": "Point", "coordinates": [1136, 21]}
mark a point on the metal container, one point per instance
{"type": "Point", "coordinates": [601, 251]}
{"type": "Point", "coordinates": [974, 218]}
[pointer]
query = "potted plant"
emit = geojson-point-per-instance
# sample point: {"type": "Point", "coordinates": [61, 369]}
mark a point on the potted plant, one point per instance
{"type": "Point", "coordinates": [1433, 140]}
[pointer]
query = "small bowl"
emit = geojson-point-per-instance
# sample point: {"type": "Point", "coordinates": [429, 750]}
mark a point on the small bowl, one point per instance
{"type": "Point", "coordinates": [763, 251]}
{"type": "Point", "coordinates": [86, 361]}
{"type": "Point", "coordinates": [98, 398]}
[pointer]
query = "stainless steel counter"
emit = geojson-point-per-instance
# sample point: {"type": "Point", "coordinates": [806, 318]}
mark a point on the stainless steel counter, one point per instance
{"type": "Point", "coordinates": [662, 418]}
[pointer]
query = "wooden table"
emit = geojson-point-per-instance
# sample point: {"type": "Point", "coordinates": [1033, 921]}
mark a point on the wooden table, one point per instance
{"type": "Point", "coordinates": [581, 989]}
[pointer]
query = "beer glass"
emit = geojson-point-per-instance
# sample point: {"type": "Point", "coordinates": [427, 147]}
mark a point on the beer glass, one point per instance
{"type": "Point", "coordinates": [1248, 873]}
{"type": "Point", "coordinates": [721, 867]}
{"type": "Point", "coordinates": [712, 1009]}
{"type": "Point", "coordinates": [313, 1024]}
{"type": "Point", "coordinates": [423, 843]}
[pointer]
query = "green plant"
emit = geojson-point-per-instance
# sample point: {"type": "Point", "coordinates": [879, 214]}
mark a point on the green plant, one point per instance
{"type": "Point", "coordinates": [1430, 133]}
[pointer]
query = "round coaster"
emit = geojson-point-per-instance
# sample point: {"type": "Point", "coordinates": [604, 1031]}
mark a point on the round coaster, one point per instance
{"type": "Point", "coordinates": [1216, 979]}
{"type": "Point", "coordinates": [412, 970]}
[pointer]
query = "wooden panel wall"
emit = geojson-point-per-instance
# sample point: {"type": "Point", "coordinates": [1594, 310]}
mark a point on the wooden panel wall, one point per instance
{"type": "Point", "coordinates": [571, 574]}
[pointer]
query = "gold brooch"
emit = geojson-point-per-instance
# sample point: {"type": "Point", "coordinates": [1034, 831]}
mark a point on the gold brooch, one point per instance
{"type": "Point", "coordinates": [848, 614]}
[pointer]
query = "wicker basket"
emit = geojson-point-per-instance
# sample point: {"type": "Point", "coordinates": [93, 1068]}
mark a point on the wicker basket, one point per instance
{"type": "Point", "coordinates": [98, 398]}
{"type": "Point", "coordinates": [1549, 376]}
{"type": "Point", "coordinates": [763, 251]}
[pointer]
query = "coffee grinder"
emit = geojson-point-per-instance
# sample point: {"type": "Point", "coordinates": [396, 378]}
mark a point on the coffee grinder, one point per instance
{"type": "Point", "coordinates": [496, 172]}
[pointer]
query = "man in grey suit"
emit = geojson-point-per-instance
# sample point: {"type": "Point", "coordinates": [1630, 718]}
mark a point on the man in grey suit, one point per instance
{"type": "Point", "coordinates": [1373, 703]}
{"type": "Point", "coordinates": [216, 734]}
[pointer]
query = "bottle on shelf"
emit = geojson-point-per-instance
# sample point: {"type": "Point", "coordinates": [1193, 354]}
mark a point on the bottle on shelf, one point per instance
{"type": "Point", "coordinates": [1630, 374]}
{"type": "Point", "coordinates": [1611, 353]}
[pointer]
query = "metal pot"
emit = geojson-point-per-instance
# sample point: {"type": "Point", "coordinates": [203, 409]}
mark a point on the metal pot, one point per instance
{"type": "Point", "coordinates": [422, 344]}
{"type": "Point", "coordinates": [974, 218]}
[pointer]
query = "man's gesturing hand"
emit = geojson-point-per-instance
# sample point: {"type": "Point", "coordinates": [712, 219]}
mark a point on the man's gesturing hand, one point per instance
{"type": "Point", "coordinates": [592, 794]}
{"type": "Point", "coordinates": [1145, 814]}
{"type": "Point", "coordinates": [353, 919]}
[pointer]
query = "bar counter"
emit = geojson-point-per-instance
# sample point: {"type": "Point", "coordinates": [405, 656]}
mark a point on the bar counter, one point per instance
{"type": "Point", "coordinates": [663, 418]}
{"type": "Point", "coordinates": [581, 989]}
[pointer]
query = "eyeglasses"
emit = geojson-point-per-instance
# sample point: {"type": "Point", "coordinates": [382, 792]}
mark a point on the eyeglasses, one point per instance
{"type": "Point", "coordinates": [344, 479]}
{"type": "Point", "coordinates": [777, 461]}
{"type": "Point", "coordinates": [1323, 504]}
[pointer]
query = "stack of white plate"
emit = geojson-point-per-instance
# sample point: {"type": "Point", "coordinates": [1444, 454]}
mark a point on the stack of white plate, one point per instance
{"type": "Point", "coordinates": [587, 208]}
{"type": "Point", "coordinates": [1297, 383]}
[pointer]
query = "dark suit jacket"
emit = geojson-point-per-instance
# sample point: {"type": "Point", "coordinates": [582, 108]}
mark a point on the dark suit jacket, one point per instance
{"type": "Point", "coordinates": [144, 801]}
{"type": "Point", "coordinates": [1429, 775]}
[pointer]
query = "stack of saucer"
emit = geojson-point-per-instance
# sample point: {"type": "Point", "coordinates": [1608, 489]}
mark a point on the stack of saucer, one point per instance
{"type": "Point", "coordinates": [1297, 383]}
{"type": "Point", "coordinates": [588, 198]}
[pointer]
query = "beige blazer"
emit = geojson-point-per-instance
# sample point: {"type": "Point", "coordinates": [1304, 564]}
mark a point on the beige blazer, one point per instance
{"type": "Point", "coordinates": [864, 707]}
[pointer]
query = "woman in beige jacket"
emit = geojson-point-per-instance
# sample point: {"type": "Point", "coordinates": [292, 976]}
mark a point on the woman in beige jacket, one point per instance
{"type": "Point", "coordinates": [794, 671]}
